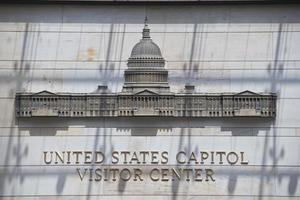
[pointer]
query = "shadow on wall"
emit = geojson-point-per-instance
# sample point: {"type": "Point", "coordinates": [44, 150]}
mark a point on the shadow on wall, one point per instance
{"type": "Point", "coordinates": [144, 126]}
{"type": "Point", "coordinates": [43, 131]}
{"type": "Point", "coordinates": [166, 14]}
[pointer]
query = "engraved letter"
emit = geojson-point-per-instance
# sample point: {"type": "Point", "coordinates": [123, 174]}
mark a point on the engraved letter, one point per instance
{"type": "Point", "coordinates": [178, 155]}
{"type": "Point", "coordinates": [243, 162]}
{"type": "Point", "coordinates": [209, 173]}
{"type": "Point", "coordinates": [80, 174]}
{"type": "Point", "coordinates": [45, 157]}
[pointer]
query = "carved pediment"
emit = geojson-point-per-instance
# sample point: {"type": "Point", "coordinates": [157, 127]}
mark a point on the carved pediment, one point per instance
{"type": "Point", "coordinates": [146, 92]}
{"type": "Point", "coordinates": [45, 92]}
{"type": "Point", "coordinates": [246, 93]}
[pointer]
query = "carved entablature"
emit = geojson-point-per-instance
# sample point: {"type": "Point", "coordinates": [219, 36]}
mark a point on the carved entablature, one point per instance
{"type": "Point", "coordinates": [146, 92]}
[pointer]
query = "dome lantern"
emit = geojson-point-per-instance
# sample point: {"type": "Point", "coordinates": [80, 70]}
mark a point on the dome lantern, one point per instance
{"type": "Point", "coordinates": [146, 30]}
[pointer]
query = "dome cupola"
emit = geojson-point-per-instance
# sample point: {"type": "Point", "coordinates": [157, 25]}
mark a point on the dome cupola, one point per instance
{"type": "Point", "coordinates": [146, 66]}
{"type": "Point", "coordinates": [146, 53]}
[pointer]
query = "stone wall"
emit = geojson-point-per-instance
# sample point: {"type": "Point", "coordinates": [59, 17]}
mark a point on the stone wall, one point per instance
{"type": "Point", "coordinates": [217, 48]}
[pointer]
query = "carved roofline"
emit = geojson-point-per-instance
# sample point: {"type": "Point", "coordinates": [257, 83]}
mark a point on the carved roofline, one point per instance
{"type": "Point", "coordinates": [246, 92]}
{"type": "Point", "coordinates": [146, 90]}
{"type": "Point", "coordinates": [150, 91]}
{"type": "Point", "coordinates": [46, 92]}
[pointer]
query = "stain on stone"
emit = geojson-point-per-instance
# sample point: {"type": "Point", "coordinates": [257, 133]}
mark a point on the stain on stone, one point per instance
{"type": "Point", "coordinates": [90, 54]}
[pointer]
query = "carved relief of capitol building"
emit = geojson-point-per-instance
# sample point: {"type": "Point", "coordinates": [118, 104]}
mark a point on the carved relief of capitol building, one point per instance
{"type": "Point", "coordinates": [146, 92]}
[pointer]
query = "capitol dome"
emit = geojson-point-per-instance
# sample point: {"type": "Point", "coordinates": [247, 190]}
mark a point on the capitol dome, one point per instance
{"type": "Point", "coordinates": [146, 48]}
{"type": "Point", "coordinates": [146, 67]}
{"type": "Point", "coordinates": [146, 54]}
